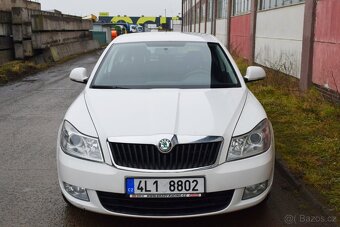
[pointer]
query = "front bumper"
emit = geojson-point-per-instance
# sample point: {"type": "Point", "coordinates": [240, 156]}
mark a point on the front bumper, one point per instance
{"type": "Point", "coordinates": [101, 177]}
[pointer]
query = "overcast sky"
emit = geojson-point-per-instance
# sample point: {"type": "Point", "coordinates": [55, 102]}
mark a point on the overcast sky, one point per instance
{"type": "Point", "coordinates": [114, 7]}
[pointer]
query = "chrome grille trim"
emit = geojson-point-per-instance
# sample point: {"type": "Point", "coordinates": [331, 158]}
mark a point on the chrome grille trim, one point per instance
{"type": "Point", "coordinates": [183, 141]}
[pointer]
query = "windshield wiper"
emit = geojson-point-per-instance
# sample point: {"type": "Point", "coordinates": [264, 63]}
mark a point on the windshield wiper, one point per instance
{"type": "Point", "coordinates": [108, 87]}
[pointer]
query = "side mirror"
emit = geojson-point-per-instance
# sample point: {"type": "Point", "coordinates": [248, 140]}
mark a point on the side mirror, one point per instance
{"type": "Point", "coordinates": [254, 73]}
{"type": "Point", "coordinates": [79, 75]}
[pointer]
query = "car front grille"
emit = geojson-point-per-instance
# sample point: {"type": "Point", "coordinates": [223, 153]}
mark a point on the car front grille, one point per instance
{"type": "Point", "coordinates": [208, 203]}
{"type": "Point", "coordinates": [148, 157]}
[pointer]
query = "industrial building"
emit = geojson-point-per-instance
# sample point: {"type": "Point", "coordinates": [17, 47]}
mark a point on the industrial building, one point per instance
{"type": "Point", "coordinates": [298, 37]}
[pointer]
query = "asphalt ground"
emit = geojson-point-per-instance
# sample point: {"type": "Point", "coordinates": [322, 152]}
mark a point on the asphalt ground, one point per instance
{"type": "Point", "coordinates": [31, 111]}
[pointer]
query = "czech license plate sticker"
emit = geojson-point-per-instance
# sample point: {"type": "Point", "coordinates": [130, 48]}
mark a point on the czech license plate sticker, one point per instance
{"type": "Point", "coordinates": [165, 187]}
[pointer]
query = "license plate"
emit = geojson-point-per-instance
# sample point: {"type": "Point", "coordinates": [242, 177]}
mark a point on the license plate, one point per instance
{"type": "Point", "coordinates": [165, 187]}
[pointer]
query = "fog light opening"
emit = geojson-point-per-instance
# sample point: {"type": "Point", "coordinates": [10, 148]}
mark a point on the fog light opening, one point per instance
{"type": "Point", "coordinates": [76, 192]}
{"type": "Point", "coordinates": [254, 190]}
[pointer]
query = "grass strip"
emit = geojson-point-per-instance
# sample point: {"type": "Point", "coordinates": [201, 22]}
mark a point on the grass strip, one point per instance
{"type": "Point", "coordinates": [307, 131]}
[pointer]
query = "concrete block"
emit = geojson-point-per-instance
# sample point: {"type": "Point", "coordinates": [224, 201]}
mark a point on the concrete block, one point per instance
{"type": "Point", "coordinates": [18, 51]}
{"type": "Point", "coordinates": [21, 15]}
{"type": "Point", "coordinates": [59, 52]}
{"type": "Point", "coordinates": [42, 40]}
{"type": "Point", "coordinates": [27, 48]}
{"type": "Point", "coordinates": [5, 17]}
{"type": "Point", "coordinates": [6, 56]}
{"type": "Point", "coordinates": [6, 43]}
{"type": "Point", "coordinates": [7, 5]}
{"type": "Point", "coordinates": [33, 5]}
{"type": "Point", "coordinates": [17, 32]}
{"type": "Point", "coordinates": [41, 22]}
{"type": "Point", "coordinates": [27, 31]}
{"type": "Point", "coordinates": [21, 32]}
{"type": "Point", "coordinates": [87, 25]}
{"type": "Point", "coordinates": [5, 29]}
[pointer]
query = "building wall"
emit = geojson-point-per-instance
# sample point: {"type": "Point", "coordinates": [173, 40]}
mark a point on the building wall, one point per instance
{"type": "Point", "coordinates": [326, 62]}
{"type": "Point", "coordinates": [240, 35]}
{"type": "Point", "coordinates": [186, 28]}
{"type": "Point", "coordinates": [202, 26]}
{"type": "Point", "coordinates": [278, 42]}
{"type": "Point", "coordinates": [221, 30]}
{"type": "Point", "coordinates": [279, 32]}
{"type": "Point", "coordinates": [197, 27]}
{"type": "Point", "coordinates": [208, 27]}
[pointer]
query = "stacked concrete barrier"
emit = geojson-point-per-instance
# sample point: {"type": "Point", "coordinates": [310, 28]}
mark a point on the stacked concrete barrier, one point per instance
{"type": "Point", "coordinates": [50, 35]}
{"type": "Point", "coordinates": [27, 33]}
{"type": "Point", "coordinates": [6, 42]}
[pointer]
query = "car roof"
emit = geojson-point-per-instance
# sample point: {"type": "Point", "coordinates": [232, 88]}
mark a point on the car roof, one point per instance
{"type": "Point", "coordinates": [164, 36]}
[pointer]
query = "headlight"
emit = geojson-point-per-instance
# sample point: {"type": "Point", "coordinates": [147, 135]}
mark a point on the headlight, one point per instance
{"type": "Point", "coordinates": [253, 143]}
{"type": "Point", "coordinates": [74, 143]}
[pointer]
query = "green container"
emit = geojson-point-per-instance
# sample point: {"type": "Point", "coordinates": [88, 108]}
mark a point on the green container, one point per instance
{"type": "Point", "coordinates": [100, 36]}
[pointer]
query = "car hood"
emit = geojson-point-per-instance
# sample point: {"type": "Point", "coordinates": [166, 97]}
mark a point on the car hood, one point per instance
{"type": "Point", "coordinates": [201, 112]}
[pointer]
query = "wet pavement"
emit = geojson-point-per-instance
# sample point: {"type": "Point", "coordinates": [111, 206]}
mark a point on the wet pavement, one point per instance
{"type": "Point", "coordinates": [30, 113]}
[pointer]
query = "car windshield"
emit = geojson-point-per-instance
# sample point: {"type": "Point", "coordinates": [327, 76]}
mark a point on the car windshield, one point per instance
{"type": "Point", "coordinates": [146, 65]}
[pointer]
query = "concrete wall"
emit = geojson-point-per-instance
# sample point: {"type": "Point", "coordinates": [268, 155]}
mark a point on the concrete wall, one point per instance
{"type": "Point", "coordinates": [326, 62]}
{"type": "Point", "coordinates": [240, 35]}
{"type": "Point", "coordinates": [221, 30]}
{"type": "Point", "coordinates": [278, 42]}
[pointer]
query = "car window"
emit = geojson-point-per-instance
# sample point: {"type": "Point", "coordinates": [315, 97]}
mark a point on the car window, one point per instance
{"type": "Point", "coordinates": [165, 65]}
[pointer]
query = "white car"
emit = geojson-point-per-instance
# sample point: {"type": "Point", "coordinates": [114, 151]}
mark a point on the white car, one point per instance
{"type": "Point", "coordinates": [165, 128]}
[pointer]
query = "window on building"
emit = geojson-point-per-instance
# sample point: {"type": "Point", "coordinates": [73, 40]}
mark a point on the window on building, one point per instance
{"type": "Point", "coordinates": [202, 11]}
{"type": "Point", "coordinates": [270, 4]}
{"type": "Point", "coordinates": [221, 9]}
{"type": "Point", "coordinates": [241, 7]}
